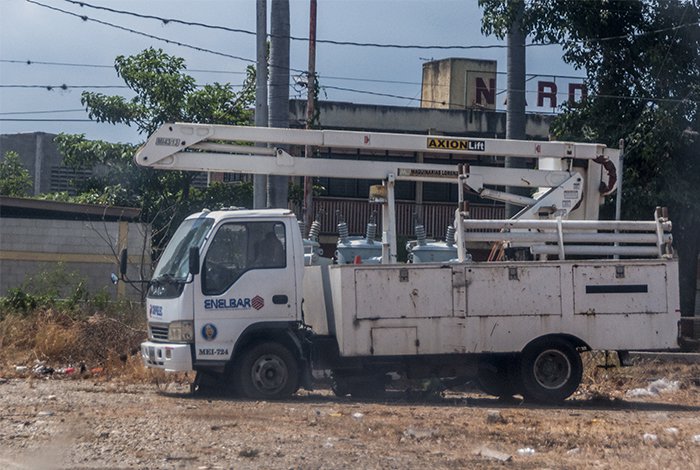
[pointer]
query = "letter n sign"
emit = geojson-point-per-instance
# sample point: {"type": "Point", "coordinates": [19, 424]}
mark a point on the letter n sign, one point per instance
{"type": "Point", "coordinates": [485, 94]}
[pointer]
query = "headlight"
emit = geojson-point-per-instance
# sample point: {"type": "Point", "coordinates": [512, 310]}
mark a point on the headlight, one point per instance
{"type": "Point", "coordinates": [181, 331]}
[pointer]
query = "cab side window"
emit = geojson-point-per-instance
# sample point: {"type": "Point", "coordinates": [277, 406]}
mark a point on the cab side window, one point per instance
{"type": "Point", "coordinates": [226, 258]}
{"type": "Point", "coordinates": [240, 247]}
{"type": "Point", "coordinates": [269, 249]}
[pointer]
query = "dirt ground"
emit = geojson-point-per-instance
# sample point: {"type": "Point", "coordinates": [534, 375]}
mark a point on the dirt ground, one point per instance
{"type": "Point", "coordinates": [646, 416]}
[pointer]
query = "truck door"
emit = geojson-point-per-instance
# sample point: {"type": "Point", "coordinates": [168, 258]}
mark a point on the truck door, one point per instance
{"type": "Point", "coordinates": [247, 277]}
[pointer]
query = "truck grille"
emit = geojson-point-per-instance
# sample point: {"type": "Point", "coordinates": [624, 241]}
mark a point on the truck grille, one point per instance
{"type": "Point", "coordinates": [158, 332]}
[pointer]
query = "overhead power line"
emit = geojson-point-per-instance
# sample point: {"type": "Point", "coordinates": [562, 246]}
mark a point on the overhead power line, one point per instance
{"type": "Point", "coordinates": [151, 36]}
{"type": "Point", "coordinates": [293, 38]}
{"type": "Point", "coordinates": [603, 96]}
{"type": "Point", "coordinates": [364, 92]}
{"type": "Point", "coordinates": [54, 111]}
{"type": "Point", "coordinates": [321, 77]}
{"type": "Point", "coordinates": [363, 44]}
{"type": "Point", "coordinates": [63, 86]}
{"type": "Point", "coordinates": [65, 64]}
{"type": "Point", "coordinates": [43, 120]}
{"type": "Point", "coordinates": [70, 64]}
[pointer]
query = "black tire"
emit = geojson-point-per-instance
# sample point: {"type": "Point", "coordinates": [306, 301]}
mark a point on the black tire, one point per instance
{"type": "Point", "coordinates": [499, 376]}
{"type": "Point", "coordinates": [551, 370]}
{"type": "Point", "coordinates": [268, 371]}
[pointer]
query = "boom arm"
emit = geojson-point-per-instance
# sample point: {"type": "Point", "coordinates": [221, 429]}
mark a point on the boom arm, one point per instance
{"type": "Point", "coordinates": [171, 140]}
{"type": "Point", "coordinates": [202, 147]}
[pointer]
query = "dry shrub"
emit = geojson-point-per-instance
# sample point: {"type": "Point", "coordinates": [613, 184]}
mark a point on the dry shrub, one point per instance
{"type": "Point", "coordinates": [100, 346]}
{"type": "Point", "coordinates": [599, 381]}
{"type": "Point", "coordinates": [100, 338]}
{"type": "Point", "coordinates": [132, 370]}
{"type": "Point", "coordinates": [16, 342]}
{"type": "Point", "coordinates": [61, 340]}
{"type": "Point", "coordinates": [612, 383]}
{"type": "Point", "coordinates": [92, 341]}
{"type": "Point", "coordinates": [16, 333]}
{"type": "Point", "coordinates": [55, 342]}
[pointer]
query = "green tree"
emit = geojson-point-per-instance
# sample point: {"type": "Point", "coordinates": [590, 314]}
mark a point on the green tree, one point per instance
{"type": "Point", "coordinates": [14, 177]}
{"type": "Point", "coordinates": [642, 61]}
{"type": "Point", "coordinates": [163, 92]}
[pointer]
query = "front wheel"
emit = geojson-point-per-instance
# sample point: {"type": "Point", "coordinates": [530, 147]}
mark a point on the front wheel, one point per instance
{"type": "Point", "coordinates": [551, 370]}
{"type": "Point", "coordinates": [268, 371]}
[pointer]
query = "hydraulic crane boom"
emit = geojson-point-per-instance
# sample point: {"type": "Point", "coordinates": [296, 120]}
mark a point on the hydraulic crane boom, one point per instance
{"type": "Point", "coordinates": [574, 178]}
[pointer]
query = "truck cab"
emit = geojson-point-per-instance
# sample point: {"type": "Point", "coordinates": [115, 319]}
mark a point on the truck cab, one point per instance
{"type": "Point", "coordinates": [250, 279]}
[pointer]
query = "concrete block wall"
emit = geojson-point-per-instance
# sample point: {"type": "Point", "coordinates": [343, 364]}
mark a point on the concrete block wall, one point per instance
{"type": "Point", "coordinates": [88, 248]}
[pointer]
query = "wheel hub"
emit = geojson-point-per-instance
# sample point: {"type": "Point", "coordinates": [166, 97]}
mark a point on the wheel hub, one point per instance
{"type": "Point", "coordinates": [552, 369]}
{"type": "Point", "coordinates": [269, 373]}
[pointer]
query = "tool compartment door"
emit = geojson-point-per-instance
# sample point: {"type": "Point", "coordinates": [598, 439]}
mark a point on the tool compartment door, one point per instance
{"type": "Point", "coordinates": [620, 289]}
{"type": "Point", "coordinates": [403, 292]}
{"type": "Point", "coordinates": [513, 290]}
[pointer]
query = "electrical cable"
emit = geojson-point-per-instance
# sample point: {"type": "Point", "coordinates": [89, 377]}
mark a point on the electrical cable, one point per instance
{"type": "Point", "coordinates": [63, 86]}
{"type": "Point", "coordinates": [43, 120]}
{"type": "Point", "coordinates": [150, 36]}
{"type": "Point", "coordinates": [70, 64]}
{"type": "Point", "coordinates": [321, 77]}
{"type": "Point", "coordinates": [642, 98]}
{"type": "Point", "coordinates": [166, 21]}
{"type": "Point", "coordinates": [360, 44]}
{"type": "Point", "coordinates": [366, 92]}
{"type": "Point", "coordinates": [43, 112]}
{"type": "Point", "coordinates": [84, 87]}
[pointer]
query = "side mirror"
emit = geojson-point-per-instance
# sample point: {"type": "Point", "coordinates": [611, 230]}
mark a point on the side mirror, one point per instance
{"type": "Point", "coordinates": [194, 260]}
{"type": "Point", "coordinates": [123, 259]}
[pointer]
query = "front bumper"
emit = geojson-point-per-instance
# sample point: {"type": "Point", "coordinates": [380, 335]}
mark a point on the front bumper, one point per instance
{"type": "Point", "coordinates": [167, 356]}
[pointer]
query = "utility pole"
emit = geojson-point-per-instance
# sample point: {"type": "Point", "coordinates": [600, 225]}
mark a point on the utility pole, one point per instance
{"type": "Point", "coordinates": [515, 110]}
{"type": "Point", "coordinates": [277, 189]}
{"type": "Point", "coordinates": [260, 181]}
{"type": "Point", "coordinates": [311, 85]}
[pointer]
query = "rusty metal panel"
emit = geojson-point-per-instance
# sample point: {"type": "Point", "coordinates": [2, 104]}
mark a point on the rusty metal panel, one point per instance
{"type": "Point", "coordinates": [619, 289]}
{"type": "Point", "coordinates": [513, 290]}
{"type": "Point", "coordinates": [403, 292]}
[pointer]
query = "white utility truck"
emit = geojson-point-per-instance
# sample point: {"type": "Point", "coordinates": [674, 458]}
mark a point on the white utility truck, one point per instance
{"type": "Point", "coordinates": [236, 296]}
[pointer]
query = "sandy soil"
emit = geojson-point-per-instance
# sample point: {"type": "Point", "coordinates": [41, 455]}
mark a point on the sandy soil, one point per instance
{"type": "Point", "coordinates": [97, 423]}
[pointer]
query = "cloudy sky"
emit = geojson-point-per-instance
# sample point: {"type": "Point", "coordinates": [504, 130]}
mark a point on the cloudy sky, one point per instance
{"type": "Point", "coordinates": [66, 50]}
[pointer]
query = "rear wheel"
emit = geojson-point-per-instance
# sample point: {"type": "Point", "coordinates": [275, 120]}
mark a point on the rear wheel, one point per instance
{"type": "Point", "coordinates": [268, 371]}
{"type": "Point", "coordinates": [551, 370]}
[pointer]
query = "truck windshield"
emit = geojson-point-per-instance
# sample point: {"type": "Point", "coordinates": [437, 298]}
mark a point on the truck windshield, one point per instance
{"type": "Point", "coordinates": [174, 262]}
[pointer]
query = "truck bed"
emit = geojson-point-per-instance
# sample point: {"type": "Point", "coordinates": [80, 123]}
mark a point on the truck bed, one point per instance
{"type": "Point", "coordinates": [411, 309]}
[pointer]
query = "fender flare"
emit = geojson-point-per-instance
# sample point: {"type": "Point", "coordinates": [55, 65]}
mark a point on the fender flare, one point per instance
{"type": "Point", "coordinates": [281, 332]}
